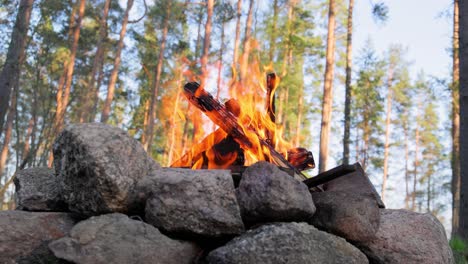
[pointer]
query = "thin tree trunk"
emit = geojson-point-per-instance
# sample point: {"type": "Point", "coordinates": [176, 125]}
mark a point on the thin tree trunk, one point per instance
{"type": "Point", "coordinates": [287, 48]}
{"type": "Point", "coordinates": [63, 93]}
{"type": "Point", "coordinates": [235, 57]}
{"type": "Point", "coordinates": [455, 123]}
{"type": "Point", "coordinates": [9, 76]}
{"type": "Point", "coordinates": [387, 130]}
{"type": "Point", "coordinates": [156, 80]}
{"type": "Point", "coordinates": [27, 138]}
{"type": "Point", "coordinates": [463, 55]}
{"type": "Point", "coordinates": [327, 90]}
{"type": "Point", "coordinates": [297, 141]}
{"type": "Point", "coordinates": [247, 39]}
{"type": "Point", "coordinates": [407, 197]}
{"type": "Point", "coordinates": [207, 39]}
{"type": "Point", "coordinates": [8, 131]}
{"type": "Point", "coordinates": [273, 31]}
{"type": "Point", "coordinates": [98, 62]}
{"type": "Point", "coordinates": [416, 166]}
{"type": "Point", "coordinates": [348, 92]}
{"type": "Point", "coordinates": [113, 77]}
{"type": "Point", "coordinates": [220, 62]}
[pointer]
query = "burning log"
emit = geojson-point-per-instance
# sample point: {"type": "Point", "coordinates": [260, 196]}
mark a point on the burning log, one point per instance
{"type": "Point", "coordinates": [218, 150]}
{"type": "Point", "coordinates": [228, 122]}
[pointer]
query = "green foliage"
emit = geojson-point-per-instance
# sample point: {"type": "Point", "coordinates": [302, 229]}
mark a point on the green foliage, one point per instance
{"type": "Point", "coordinates": [459, 249]}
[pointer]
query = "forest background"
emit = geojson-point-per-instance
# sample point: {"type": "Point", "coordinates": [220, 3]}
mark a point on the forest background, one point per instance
{"type": "Point", "coordinates": [391, 84]}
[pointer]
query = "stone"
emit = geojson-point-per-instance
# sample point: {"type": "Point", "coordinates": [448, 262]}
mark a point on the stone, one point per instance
{"type": "Point", "coordinates": [350, 215]}
{"type": "Point", "coordinates": [98, 166]}
{"type": "Point", "coordinates": [192, 203]}
{"type": "Point", "coordinates": [408, 238]}
{"type": "Point", "coordinates": [38, 189]}
{"type": "Point", "coordinates": [25, 235]}
{"type": "Point", "coordinates": [357, 182]}
{"type": "Point", "coordinates": [268, 194]}
{"type": "Point", "coordinates": [115, 238]}
{"type": "Point", "coordinates": [287, 243]}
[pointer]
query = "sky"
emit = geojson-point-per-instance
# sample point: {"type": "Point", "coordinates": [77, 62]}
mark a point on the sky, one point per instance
{"type": "Point", "coordinates": [423, 26]}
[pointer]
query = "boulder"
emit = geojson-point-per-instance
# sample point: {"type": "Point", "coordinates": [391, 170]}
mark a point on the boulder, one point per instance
{"type": "Point", "coordinates": [268, 194]}
{"type": "Point", "coordinates": [351, 215]}
{"type": "Point", "coordinates": [98, 166]}
{"type": "Point", "coordinates": [287, 243]}
{"type": "Point", "coordinates": [115, 238]}
{"type": "Point", "coordinates": [38, 189]}
{"type": "Point", "coordinates": [407, 237]}
{"type": "Point", "coordinates": [25, 235]}
{"type": "Point", "coordinates": [193, 203]}
{"type": "Point", "coordinates": [356, 182]}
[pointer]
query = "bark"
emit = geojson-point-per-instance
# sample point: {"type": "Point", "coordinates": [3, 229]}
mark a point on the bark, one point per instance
{"type": "Point", "coordinates": [273, 31]}
{"type": "Point", "coordinates": [463, 53]}
{"type": "Point", "coordinates": [63, 93]}
{"type": "Point", "coordinates": [297, 140]}
{"type": "Point", "coordinates": [287, 48]}
{"type": "Point", "coordinates": [8, 131]}
{"type": "Point", "coordinates": [98, 63]}
{"type": "Point", "coordinates": [220, 61]}
{"type": "Point", "coordinates": [348, 92]}
{"type": "Point", "coordinates": [415, 173]}
{"type": "Point", "coordinates": [9, 76]}
{"type": "Point", "coordinates": [64, 87]}
{"type": "Point", "coordinates": [247, 40]}
{"type": "Point", "coordinates": [407, 197]}
{"type": "Point", "coordinates": [113, 77]}
{"type": "Point", "coordinates": [207, 40]}
{"type": "Point", "coordinates": [237, 39]}
{"type": "Point", "coordinates": [327, 90]}
{"type": "Point", "coordinates": [455, 123]}
{"type": "Point", "coordinates": [156, 82]}
{"type": "Point", "coordinates": [387, 130]}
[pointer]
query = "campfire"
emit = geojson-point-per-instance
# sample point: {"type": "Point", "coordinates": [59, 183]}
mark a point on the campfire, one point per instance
{"type": "Point", "coordinates": [247, 133]}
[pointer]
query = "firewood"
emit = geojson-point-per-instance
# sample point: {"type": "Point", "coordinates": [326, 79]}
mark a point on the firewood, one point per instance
{"type": "Point", "coordinates": [227, 121]}
{"type": "Point", "coordinates": [329, 175]}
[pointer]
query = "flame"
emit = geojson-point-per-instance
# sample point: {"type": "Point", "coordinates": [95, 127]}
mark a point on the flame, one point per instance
{"type": "Point", "coordinates": [250, 101]}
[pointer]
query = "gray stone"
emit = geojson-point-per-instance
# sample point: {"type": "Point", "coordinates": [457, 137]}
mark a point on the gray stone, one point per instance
{"type": "Point", "coordinates": [24, 235]}
{"type": "Point", "coordinates": [287, 243]}
{"type": "Point", "coordinates": [268, 194]}
{"type": "Point", "coordinates": [38, 189]}
{"type": "Point", "coordinates": [357, 182]}
{"type": "Point", "coordinates": [351, 215]}
{"type": "Point", "coordinates": [99, 165]}
{"type": "Point", "coordinates": [115, 238]}
{"type": "Point", "coordinates": [199, 203]}
{"type": "Point", "coordinates": [407, 237]}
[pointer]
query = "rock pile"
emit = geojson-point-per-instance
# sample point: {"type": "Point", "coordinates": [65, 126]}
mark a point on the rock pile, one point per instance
{"type": "Point", "coordinates": [106, 201]}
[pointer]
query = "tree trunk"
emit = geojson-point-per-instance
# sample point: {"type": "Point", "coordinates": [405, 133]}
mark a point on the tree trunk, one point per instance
{"type": "Point", "coordinates": [387, 130]}
{"type": "Point", "coordinates": [455, 123]}
{"type": "Point", "coordinates": [273, 31]}
{"type": "Point", "coordinates": [113, 77]}
{"type": "Point", "coordinates": [348, 93]}
{"type": "Point", "coordinates": [8, 131]}
{"type": "Point", "coordinates": [220, 61]}
{"type": "Point", "coordinates": [416, 166]}
{"type": "Point", "coordinates": [327, 90]}
{"type": "Point", "coordinates": [235, 57]}
{"type": "Point", "coordinates": [407, 197]}
{"type": "Point", "coordinates": [156, 80]}
{"type": "Point", "coordinates": [463, 53]}
{"type": "Point", "coordinates": [247, 39]}
{"type": "Point", "coordinates": [207, 40]}
{"type": "Point", "coordinates": [63, 93]}
{"type": "Point", "coordinates": [9, 77]}
{"type": "Point", "coordinates": [98, 63]}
